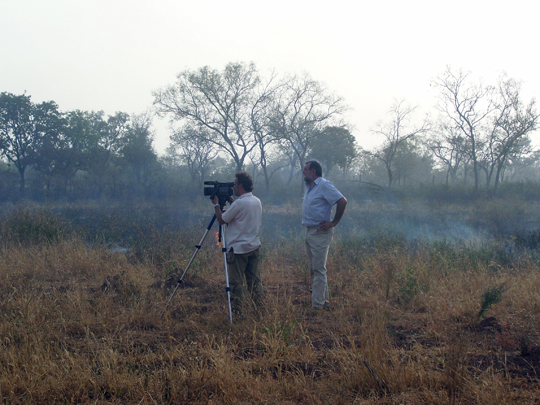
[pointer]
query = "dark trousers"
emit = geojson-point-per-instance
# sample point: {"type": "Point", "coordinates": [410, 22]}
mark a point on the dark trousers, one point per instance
{"type": "Point", "coordinates": [245, 277]}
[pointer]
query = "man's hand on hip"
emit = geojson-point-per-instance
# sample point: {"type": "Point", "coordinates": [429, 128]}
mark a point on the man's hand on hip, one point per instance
{"type": "Point", "coordinates": [326, 225]}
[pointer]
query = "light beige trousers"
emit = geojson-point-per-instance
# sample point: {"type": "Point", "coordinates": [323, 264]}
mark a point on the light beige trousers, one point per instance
{"type": "Point", "coordinates": [317, 244]}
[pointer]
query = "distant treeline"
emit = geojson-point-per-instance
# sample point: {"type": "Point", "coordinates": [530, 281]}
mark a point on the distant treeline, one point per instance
{"type": "Point", "coordinates": [236, 119]}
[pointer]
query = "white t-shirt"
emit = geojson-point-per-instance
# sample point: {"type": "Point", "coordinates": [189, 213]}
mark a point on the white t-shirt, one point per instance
{"type": "Point", "coordinates": [244, 220]}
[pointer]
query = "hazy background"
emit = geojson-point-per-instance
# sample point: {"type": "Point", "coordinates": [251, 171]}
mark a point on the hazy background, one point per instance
{"type": "Point", "coordinates": [110, 55]}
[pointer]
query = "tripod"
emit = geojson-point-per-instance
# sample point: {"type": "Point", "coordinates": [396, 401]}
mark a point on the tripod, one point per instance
{"type": "Point", "coordinates": [222, 202]}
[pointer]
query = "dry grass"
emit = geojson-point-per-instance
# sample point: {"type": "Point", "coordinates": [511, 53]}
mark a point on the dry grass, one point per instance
{"type": "Point", "coordinates": [82, 325]}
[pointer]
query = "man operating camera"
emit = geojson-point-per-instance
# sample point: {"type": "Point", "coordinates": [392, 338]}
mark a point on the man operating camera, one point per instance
{"type": "Point", "coordinates": [243, 219]}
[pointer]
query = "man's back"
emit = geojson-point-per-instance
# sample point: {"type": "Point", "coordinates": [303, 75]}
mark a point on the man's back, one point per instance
{"type": "Point", "coordinates": [244, 219]}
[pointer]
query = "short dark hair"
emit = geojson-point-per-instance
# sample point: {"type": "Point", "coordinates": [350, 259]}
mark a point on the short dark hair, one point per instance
{"type": "Point", "coordinates": [245, 179]}
{"type": "Point", "coordinates": [315, 165]}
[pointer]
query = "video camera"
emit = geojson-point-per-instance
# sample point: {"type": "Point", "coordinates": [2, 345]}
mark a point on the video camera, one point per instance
{"type": "Point", "coordinates": [221, 190]}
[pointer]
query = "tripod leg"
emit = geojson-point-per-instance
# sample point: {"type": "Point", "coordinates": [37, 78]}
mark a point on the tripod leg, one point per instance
{"type": "Point", "coordinates": [228, 288]}
{"type": "Point", "coordinates": [181, 279]}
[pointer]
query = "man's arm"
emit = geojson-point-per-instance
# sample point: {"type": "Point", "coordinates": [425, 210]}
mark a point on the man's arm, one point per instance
{"type": "Point", "coordinates": [340, 209]}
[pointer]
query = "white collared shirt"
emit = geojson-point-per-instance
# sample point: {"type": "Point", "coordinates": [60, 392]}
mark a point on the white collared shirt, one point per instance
{"type": "Point", "coordinates": [318, 202]}
{"type": "Point", "coordinates": [244, 221]}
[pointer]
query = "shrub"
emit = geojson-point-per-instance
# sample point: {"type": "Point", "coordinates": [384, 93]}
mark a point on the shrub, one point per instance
{"type": "Point", "coordinates": [492, 295]}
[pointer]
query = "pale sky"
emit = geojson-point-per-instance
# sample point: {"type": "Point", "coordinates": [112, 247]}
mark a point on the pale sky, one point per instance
{"type": "Point", "coordinates": [111, 54]}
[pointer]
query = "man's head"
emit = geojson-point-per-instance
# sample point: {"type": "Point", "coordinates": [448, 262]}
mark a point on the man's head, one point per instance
{"type": "Point", "coordinates": [243, 183]}
{"type": "Point", "coordinates": [312, 170]}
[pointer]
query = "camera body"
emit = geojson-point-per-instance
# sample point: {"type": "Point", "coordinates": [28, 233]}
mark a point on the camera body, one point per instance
{"type": "Point", "coordinates": [221, 190]}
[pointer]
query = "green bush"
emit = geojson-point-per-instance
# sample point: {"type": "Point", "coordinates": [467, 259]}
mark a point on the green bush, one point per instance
{"type": "Point", "coordinates": [491, 296]}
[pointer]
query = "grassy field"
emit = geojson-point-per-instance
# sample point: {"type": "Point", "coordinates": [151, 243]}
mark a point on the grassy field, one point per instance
{"type": "Point", "coordinates": [413, 321]}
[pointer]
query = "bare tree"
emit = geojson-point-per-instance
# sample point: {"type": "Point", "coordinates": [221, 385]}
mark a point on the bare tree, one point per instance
{"type": "Point", "coordinates": [219, 103]}
{"type": "Point", "coordinates": [512, 124]}
{"type": "Point", "coordinates": [396, 133]}
{"type": "Point", "coordinates": [195, 150]}
{"type": "Point", "coordinates": [468, 107]}
{"type": "Point", "coordinates": [493, 120]}
{"type": "Point", "coordinates": [304, 106]}
{"type": "Point", "coordinates": [449, 146]}
{"type": "Point", "coordinates": [266, 135]}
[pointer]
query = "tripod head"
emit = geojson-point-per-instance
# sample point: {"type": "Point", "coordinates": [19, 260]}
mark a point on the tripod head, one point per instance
{"type": "Point", "coordinates": [222, 200]}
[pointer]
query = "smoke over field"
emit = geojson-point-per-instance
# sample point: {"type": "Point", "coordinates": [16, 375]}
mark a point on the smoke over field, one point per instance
{"type": "Point", "coordinates": [430, 304]}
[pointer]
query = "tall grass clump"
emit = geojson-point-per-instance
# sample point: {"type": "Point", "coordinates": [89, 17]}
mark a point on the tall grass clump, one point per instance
{"type": "Point", "coordinates": [27, 225]}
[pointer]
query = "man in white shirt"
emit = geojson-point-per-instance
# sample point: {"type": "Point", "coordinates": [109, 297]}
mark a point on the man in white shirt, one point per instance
{"type": "Point", "coordinates": [244, 220]}
{"type": "Point", "coordinates": [319, 198]}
